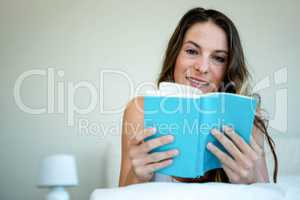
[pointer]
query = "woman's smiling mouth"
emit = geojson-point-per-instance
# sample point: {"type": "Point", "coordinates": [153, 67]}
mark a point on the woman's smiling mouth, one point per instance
{"type": "Point", "coordinates": [197, 82]}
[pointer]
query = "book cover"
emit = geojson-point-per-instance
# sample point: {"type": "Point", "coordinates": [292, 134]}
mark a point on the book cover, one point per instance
{"type": "Point", "coordinates": [190, 120]}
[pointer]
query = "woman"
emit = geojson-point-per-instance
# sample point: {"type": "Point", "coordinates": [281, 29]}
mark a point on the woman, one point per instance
{"type": "Point", "coordinates": [204, 52]}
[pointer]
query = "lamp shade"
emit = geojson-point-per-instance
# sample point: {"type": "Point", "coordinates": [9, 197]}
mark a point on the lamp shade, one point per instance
{"type": "Point", "coordinates": [58, 170]}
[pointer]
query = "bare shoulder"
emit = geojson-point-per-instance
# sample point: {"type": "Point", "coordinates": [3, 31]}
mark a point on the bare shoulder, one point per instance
{"type": "Point", "coordinates": [133, 118]}
{"type": "Point", "coordinates": [133, 122]}
{"type": "Point", "coordinates": [134, 109]}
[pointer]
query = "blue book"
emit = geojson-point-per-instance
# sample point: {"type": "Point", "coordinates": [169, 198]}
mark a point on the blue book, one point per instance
{"type": "Point", "coordinates": [190, 120]}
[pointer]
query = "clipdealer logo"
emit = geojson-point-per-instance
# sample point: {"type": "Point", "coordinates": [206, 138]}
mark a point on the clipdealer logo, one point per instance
{"type": "Point", "coordinates": [279, 81]}
{"type": "Point", "coordinates": [65, 100]}
{"type": "Point", "coordinates": [66, 91]}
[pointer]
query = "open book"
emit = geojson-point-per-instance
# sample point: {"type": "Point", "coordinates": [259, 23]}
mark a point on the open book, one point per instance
{"type": "Point", "coordinates": [187, 114]}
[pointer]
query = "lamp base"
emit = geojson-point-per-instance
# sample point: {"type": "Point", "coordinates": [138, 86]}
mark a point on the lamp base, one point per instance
{"type": "Point", "coordinates": [58, 193]}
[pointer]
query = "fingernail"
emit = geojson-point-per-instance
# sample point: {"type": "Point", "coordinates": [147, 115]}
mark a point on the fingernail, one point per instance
{"type": "Point", "coordinates": [209, 145]}
{"type": "Point", "coordinates": [171, 137]}
{"type": "Point", "coordinates": [214, 131]}
{"type": "Point", "coordinates": [175, 152]}
{"type": "Point", "coordinates": [226, 128]}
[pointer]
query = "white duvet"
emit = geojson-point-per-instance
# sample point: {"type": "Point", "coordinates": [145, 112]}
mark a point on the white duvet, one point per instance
{"type": "Point", "coordinates": [287, 188]}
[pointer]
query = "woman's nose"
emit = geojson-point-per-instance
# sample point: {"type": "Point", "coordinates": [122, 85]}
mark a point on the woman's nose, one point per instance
{"type": "Point", "coordinates": [202, 65]}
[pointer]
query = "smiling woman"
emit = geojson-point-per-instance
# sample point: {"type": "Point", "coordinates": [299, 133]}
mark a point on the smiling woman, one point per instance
{"type": "Point", "coordinates": [204, 52]}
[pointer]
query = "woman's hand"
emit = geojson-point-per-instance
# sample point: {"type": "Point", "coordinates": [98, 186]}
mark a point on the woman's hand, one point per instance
{"type": "Point", "coordinates": [145, 163]}
{"type": "Point", "coordinates": [246, 163]}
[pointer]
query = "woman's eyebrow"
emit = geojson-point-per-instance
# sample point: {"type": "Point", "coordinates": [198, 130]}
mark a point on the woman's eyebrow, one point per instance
{"type": "Point", "coordinates": [199, 47]}
{"type": "Point", "coordinates": [193, 43]}
{"type": "Point", "coordinates": [221, 51]}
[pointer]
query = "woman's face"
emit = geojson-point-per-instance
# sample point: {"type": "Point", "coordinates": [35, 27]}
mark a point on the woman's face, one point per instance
{"type": "Point", "coordinates": [202, 60]}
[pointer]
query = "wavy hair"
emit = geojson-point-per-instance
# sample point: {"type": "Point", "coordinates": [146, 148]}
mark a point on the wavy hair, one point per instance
{"type": "Point", "coordinates": [237, 77]}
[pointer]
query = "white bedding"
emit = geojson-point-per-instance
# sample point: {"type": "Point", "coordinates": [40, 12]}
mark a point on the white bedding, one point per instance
{"type": "Point", "coordinates": [287, 188]}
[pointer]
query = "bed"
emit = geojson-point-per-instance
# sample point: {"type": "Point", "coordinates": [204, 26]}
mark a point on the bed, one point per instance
{"type": "Point", "coordinates": [287, 188]}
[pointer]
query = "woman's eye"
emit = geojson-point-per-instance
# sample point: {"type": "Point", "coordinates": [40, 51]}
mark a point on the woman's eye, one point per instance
{"type": "Point", "coordinates": [191, 51]}
{"type": "Point", "coordinates": [220, 59]}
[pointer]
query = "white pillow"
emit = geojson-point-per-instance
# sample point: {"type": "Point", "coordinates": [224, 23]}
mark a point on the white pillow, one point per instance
{"type": "Point", "coordinates": [182, 191]}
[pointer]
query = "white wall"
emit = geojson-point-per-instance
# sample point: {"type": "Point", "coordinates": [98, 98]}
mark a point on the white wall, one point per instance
{"type": "Point", "coordinates": [83, 38]}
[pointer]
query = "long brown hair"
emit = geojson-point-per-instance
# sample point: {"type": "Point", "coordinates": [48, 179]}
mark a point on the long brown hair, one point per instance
{"type": "Point", "coordinates": [236, 75]}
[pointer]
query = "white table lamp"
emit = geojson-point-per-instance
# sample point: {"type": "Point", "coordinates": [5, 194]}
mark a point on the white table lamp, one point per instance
{"type": "Point", "coordinates": [56, 172]}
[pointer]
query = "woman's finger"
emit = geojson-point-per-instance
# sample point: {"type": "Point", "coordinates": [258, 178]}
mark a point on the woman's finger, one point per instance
{"type": "Point", "coordinates": [239, 142]}
{"type": "Point", "coordinates": [231, 148]}
{"type": "Point", "coordinates": [159, 156]}
{"type": "Point", "coordinates": [156, 142]}
{"type": "Point", "coordinates": [142, 149]}
{"type": "Point", "coordinates": [154, 157]}
{"type": "Point", "coordinates": [158, 165]}
{"type": "Point", "coordinates": [259, 151]}
{"type": "Point", "coordinates": [226, 160]}
{"type": "Point", "coordinates": [233, 177]}
{"type": "Point", "coordinates": [141, 136]}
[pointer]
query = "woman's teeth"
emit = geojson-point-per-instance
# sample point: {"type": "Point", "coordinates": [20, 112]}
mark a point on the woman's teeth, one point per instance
{"type": "Point", "coordinates": [197, 83]}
